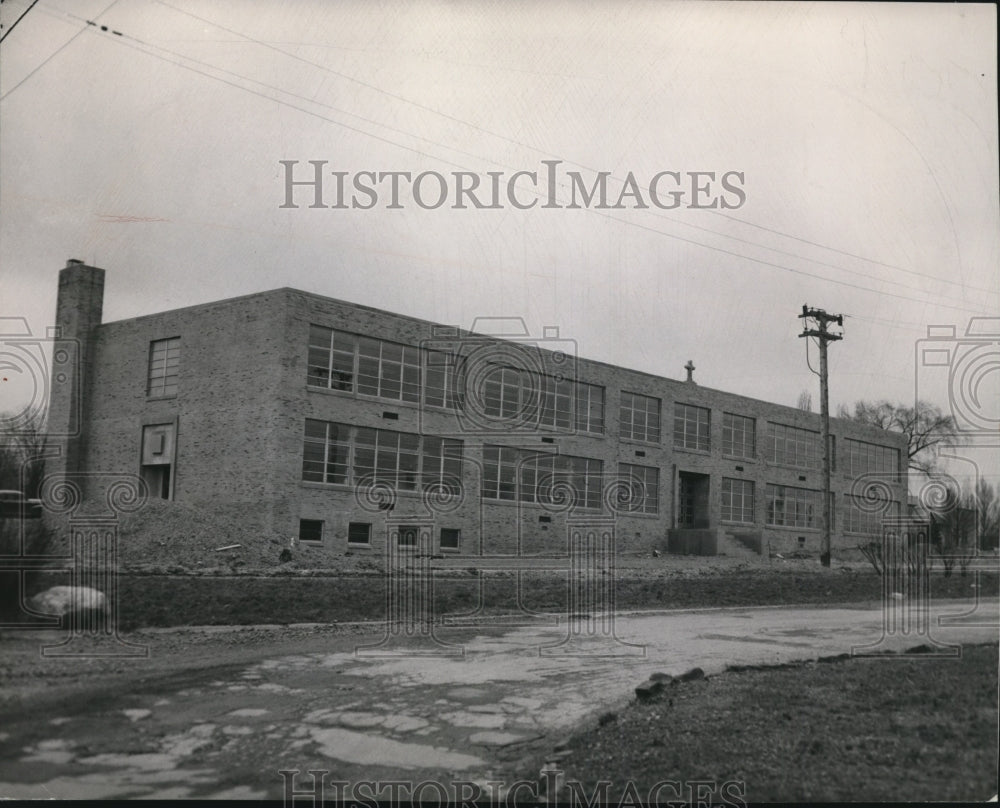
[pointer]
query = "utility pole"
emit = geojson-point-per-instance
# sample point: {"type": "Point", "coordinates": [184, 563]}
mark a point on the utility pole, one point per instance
{"type": "Point", "coordinates": [823, 337]}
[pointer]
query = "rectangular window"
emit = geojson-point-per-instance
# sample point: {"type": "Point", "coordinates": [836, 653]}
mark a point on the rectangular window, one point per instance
{"type": "Point", "coordinates": [359, 533]}
{"type": "Point", "coordinates": [865, 516]}
{"type": "Point", "coordinates": [513, 474]}
{"type": "Point", "coordinates": [739, 436]}
{"type": "Point", "coordinates": [792, 446]}
{"type": "Point", "coordinates": [691, 427]}
{"type": "Point", "coordinates": [451, 538]}
{"type": "Point", "coordinates": [589, 408]}
{"type": "Point", "coordinates": [870, 458]}
{"type": "Point", "coordinates": [643, 485]}
{"type": "Point", "coordinates": [311, 530]}
{"type": "Point", "coordinates": [499, 473]}
{"type": "Point", "coordinates": [528, 398]}
{"type": "Point", "coordinates": [164, 365]}
{"type": "Point", "coordinates": [439, 380]}
{"type": "Point", "coordinates": [351, 455]}
{"type": "Point", "coordinates": [792, 507]}
{"type": "Point", "coordinates": [737, 500]}
{"type": "Point", "coordinates": [639, 417]}
{"type": "Point", "coordinates": [338, 360]}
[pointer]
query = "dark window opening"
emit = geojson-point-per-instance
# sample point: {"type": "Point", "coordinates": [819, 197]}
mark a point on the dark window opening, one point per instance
{"type": "Point", "coordinates": [359, 533]}
{"type": "Point", "coordinates": [450, 538]}
{"type": "Point", "coordinates": [311, 530]}
{"type": "Point", "coordinates": [157, 479]}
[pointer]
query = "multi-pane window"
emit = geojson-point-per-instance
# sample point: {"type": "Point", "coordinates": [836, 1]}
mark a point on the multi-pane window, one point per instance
{"type": "Point", "coordinates": [691, 427]}
{"type": "Point", "coordinates": [164, 364]}
{"type": "Point", "coordinates": [589, 408]}
{"type": "Point", "coordinates": [514, 474]}
{"type": "Point", "coordinates": [499, 472]}
{"type": "Point", "coordinates": [643, 494]}
{"type": "Point", "coordinates": [525, 397]}
{"type": "Point", "coordinates": [439, 379]}
{"type": "Point", "coordinates": [791, 507]}
{"type": "Point", "coordinates": [359, 533]}
{"type": "Point", "coordinates": [388, 370]}
{"type": "Point", "coordinates": [326, 454]}
{"type": "Point", "coordinates": [792, 446]}
{"type": "Point", "coordinates": [338, 453]}
{"type": "Point", "coordinates": [341, 361]}
{"type": "Point", "coordinates": [331, 359]}
{"type": "Point", "coordinates": [870, 458]}
{"type": "Point", "coordinates": [639, 417]}
{"type": "Point", "coordinates": [866, 517]}
{"type": "Point", "coordinates": [737, 500]}
{"type": "Point", "coordinates": [739, 435]}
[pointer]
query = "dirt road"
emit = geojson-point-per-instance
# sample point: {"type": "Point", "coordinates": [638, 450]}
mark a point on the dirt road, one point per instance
{"type": "Point", "coordinates": [211, 715]}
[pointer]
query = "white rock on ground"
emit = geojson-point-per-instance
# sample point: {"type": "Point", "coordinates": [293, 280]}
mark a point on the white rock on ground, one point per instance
{"type": "Point", "coordinates": [60, 600]}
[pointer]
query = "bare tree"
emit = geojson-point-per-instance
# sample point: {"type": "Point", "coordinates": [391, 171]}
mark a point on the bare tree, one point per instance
{"type": "Point", "coordinates": [22, 464]}
{"type": "Point", "coordinates": [953, 529]}
{"type": "Point", "coordinates": [22, 468]}
{"type": "Point", "coordinates": [926, 427]}
{"type": "Point", "coordinates": [805, 401]}
{"type": "Point", "coordinates": [988, 515]}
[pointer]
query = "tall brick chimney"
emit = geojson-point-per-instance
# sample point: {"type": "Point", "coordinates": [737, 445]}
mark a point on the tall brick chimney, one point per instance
{"type": "Point", "coordinates": [79, 307]}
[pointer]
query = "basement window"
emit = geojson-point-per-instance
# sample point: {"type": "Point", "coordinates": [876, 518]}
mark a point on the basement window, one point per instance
{"type": "Point", "coordinates": [311, 530]}
{"type": "Point", "coordinates": [450, 538]}
{"type": "Point", "coordinates": [359, 533]}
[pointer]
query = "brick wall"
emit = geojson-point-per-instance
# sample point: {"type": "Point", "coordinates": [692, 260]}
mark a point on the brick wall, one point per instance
{"type": "Point", "coordinates": [242, 402]}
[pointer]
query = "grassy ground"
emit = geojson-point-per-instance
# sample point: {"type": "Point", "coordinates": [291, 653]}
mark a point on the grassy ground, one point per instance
{"type": "Point", "coordinates": [877, 729]}
{"type": "Point", "coordinates": [178, 600]}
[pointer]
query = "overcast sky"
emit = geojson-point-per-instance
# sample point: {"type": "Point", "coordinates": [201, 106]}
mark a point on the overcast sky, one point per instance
{"type": "Point", "coordinates": [865, 134]}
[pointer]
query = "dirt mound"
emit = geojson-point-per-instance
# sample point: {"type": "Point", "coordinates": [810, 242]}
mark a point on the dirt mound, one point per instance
{"type": "Point", "coordinates": [174, 537]}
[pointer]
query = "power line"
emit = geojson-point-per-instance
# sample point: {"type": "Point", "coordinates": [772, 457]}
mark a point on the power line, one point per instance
{"type": "Point", "coordinates": [516, 142]}
{"type": "Point", "coordinates": [12, 27]}
{"type": "Point", "coordinates": [55, 53]}
{"type": "Point", "coordinates": [144, 49]}
{"type": "Point", "coordinates": [460, 151]}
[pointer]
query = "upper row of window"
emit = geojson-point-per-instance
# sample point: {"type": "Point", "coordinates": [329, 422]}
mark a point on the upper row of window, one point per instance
{"type": "Point", "coordinates": [340, 360]}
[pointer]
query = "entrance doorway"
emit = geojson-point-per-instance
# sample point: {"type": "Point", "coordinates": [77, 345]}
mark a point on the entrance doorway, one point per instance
{"type": "Point", "coordinates": [692, 500]}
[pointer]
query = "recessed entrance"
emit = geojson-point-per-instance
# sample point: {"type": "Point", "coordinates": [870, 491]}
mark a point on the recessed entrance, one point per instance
{"type": "Point", "coordinates": [692, 500]}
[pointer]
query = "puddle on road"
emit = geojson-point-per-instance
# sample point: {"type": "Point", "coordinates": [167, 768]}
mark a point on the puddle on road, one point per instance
{"type": "Point", "coordinates": [376, 750]}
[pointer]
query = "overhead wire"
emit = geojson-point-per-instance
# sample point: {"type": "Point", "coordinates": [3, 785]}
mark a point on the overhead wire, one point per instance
{"type": "Point", "coordinates": [517, 142]}
{"type": "Point", "coordinates": [56, 52]}
{"type": "Point", "coordinates": [145, 48]}
{"type": "Point", "coordinates": [14, 24]}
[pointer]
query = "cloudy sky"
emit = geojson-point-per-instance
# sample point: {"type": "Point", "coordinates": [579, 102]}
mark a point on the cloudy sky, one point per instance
{"type": "Point", "coordinates": [865, 136]}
